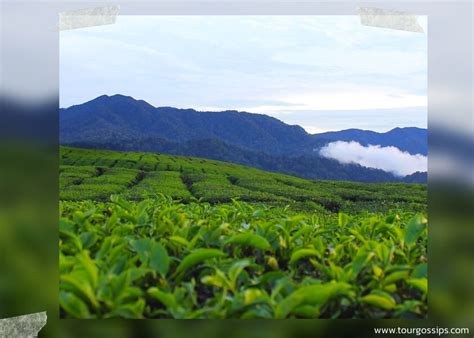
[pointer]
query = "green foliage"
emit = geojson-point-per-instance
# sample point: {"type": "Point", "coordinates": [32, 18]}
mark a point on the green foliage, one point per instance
{"type": "Point", "coordinates": [196, 257]}
{"type": "Point", "coordinates": [414, 229]}
{"type": "Point", "coordinates": [380, 299]}
{"type": "Point", "coordinates": [159, 182]}
{"type": "Point", "coordinates": [249, 240]}
{"type": "Point", "coordinates": [303, 253]}
{"type": "Point", "coordinates": [156, 236]}
{"type": "Point", "coordinates": [160, 258]}
{"type": "Point", "coordinates": [96, 174]}
{"type": "Point", "coordinates": [315, 296]}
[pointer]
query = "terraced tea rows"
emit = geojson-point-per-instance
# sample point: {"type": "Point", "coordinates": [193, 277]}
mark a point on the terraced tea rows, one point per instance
{"type": "Point", "coordinates": [96, 174]}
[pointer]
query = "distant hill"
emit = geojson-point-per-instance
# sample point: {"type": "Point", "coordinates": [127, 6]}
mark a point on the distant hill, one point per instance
{"type": "Point", "coordinates": [119, 117]}
{"type": "Point", "coordinates": [416, 177]}
{"type": "Point", "coordinates": [122, 123]}
{"type": "Point", "coordinates": [413, 140]}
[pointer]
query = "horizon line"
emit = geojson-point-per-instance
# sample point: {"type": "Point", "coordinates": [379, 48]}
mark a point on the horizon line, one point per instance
{"type": "Point", "coordinates": [249, 112]}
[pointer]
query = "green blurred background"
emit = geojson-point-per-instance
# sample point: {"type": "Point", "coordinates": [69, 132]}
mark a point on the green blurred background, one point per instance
{"type": "Point", "coordinates": [29, 177]}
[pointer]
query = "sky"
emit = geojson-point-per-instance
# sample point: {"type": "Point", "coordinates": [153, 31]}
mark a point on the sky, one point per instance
{"type": "Point", "coordinates": [323, 73]}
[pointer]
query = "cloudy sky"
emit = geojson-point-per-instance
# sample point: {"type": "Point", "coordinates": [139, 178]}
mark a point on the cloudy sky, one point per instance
{"type": "Point", "coordinates": [321, 72]}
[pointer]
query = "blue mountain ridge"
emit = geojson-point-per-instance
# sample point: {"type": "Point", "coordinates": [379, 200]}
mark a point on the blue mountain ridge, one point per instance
{"type": "Point", "coordinates": [123, 123]}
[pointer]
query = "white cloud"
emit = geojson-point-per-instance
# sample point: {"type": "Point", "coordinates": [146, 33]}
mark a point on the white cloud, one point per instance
{"type": "Point", "coordinates": [389, 159]}
{"type": "Point", "coordinates": [357, 61]}
{"type": "Point", "coordinates": [343, 98]}
{"type": "Point", "coordinates": [275, 65]}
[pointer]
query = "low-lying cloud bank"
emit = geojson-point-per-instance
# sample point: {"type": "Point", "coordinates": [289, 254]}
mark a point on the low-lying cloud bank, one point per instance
{"type": "Point", "coordinates": [389, 159]}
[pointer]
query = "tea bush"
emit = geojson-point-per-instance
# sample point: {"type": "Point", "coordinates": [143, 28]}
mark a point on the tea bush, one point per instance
{"type": "Point", "coordinates": [157, 236]}
{"type": "Point", "coordinates": [163, 259]}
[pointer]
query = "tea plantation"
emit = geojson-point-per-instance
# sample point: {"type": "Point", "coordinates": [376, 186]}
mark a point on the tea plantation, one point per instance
{"type": "Point", "coordinates": [146, 235]}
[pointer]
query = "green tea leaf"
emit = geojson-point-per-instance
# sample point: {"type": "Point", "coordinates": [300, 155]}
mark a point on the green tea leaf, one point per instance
{"type": "Point", "coordinates": [420, 271]}
{"type": "Point", "coordinates": [253, 295]}
{"type": "Point", "coordinates": [343, 219]}
{"type": "Point", "coordinates": [77, 282]}
{"type": "Point", "coordinates": [414, 228]}
{"type": "Point", "coordinates": [236, 269]}
{"type": "Point", "coordinates": [196, 257]}
{"type": "Point", "coordinates": [166, 298]}
{"type": "Point", "coordinates": [119, 284]}
{"type": "Point", "coordinates": [307, 311]}
{"type": "Point", "coordinates": [419, 283]}
{"type": "Point", "coordinates": [395, 277]}
{"type": "Point", "coordinates": [89, 267]}
{"type": "Point", "coordinates": [73, 305]}
{"type": "Point", "coordinates": [380, 299]}
{"type": "Point", "coordinates": [87, 239]}
{"type": "Point", "coordinates": [360, 261]}
{"type": "Point", "coordinates": [252, 240]}
{"type": "Point", "coordinates": [179, 240]}
{"type": "Point", "coordinates": [219, 280]}
{"type": "Point", "coordinates": [315, 295]}
{"type": "Point", "coordinates": [129, 311]}
{"type": "Point", "coordinates": [143, 248]}
{"type": "Point", "coordinates": [303, 253]}
{"type": "Point", "coordinates": [159, 259]}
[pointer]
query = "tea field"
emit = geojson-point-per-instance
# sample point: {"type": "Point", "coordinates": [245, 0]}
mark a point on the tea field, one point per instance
{"type": "Point", "coordinates": [97, 174]}
{"type": "Point", "coordinates": [146, 235]}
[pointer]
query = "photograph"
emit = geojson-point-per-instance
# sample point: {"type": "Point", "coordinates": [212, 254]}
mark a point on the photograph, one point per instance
{"type": "Point", "coordinates": [243, 167]}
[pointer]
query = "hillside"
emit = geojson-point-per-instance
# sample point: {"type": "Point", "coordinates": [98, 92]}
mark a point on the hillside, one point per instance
{"type": "Point", "coordinates": [96, 174]}
{"type": "Point", "coordinates": [310, 167]}
{"type": "Point", "coordinates": [144, 235]}
{"type": "Point", "coordinates": [118, 117]}
{"type": "Point", "coordinates": [123, 123]}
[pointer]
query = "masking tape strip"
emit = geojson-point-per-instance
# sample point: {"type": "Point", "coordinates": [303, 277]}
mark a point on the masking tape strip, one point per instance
{"type": "Point", "coordinates": [88, 17]}
{"type": "Point", "coordinates": [377, 17]}
{"type": "Point", "coordinates": [23, 326]}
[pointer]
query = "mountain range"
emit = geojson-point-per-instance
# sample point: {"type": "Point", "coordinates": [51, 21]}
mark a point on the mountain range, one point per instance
{"type": "Point", "coordinates": [120, 122]}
